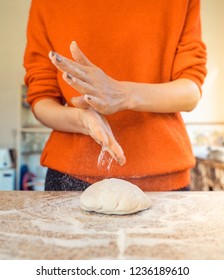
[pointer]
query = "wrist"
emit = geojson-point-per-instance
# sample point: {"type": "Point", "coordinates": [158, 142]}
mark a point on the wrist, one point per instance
{"type": "Point", "coordinates": [131, 99]}
{"type": "Point", "coordinates": [74, 117]}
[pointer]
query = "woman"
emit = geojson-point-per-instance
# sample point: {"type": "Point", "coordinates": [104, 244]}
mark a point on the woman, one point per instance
{"type": "Point", "coordinates": [146, 64]}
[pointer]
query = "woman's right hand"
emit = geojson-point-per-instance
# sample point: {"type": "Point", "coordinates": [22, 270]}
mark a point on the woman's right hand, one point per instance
{"type": "Point", "coordinates": [96, 126]}
{"type": "Point", "coordinates": [78, 120]}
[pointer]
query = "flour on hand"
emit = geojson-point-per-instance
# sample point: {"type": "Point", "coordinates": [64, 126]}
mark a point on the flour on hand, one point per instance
{"type": "Point", "coordinates": [114, 196]}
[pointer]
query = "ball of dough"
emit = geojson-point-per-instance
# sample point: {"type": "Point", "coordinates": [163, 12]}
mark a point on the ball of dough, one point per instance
{"type": "Point", "coordinates": [114, 196]}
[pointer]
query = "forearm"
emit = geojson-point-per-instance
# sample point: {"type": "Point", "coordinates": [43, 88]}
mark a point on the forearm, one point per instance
{"type": "Point", "coordinates": [58, 117]}
{"type": "Point", "coordinates": [74, 120]}
{"type": "Point", "coordinates": [175, 96]}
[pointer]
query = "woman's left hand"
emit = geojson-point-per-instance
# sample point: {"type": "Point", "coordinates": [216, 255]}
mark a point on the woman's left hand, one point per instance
{"type": "Point", "coordinates": [98, 90]}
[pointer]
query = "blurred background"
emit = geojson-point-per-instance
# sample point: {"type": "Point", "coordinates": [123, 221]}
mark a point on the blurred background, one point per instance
{"type": "Point", "coordinates": [22, 137]}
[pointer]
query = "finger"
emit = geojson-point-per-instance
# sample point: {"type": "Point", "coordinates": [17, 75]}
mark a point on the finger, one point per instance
{"type": "Point", "coordinates": [100, 136]}
{"type": "Point", "coordinates": [116, 151]}
{"type": "Point", "coordinates": [79, 102]}
{"type": "Point", "coordinates": [66, 65]}
{"type": "Point", "coordinates": [78, 55]}
{"type": "Point", "coordinates": [79, 85]}
{"type": "Point", "coordinates": [120, 159]}
{"type": "Point", "coordinates": [113, 146]}
{"type": "Point", "coordinates": [95, 102]}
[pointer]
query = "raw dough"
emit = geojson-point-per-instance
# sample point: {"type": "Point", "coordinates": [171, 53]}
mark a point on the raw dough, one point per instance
{"type": "Point", "coordinates": [114, 196]}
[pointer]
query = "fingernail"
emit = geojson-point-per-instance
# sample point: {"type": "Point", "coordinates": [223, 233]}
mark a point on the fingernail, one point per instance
{"type": "Point", "coordinates": [69, 76]}
{"type": "Point", "coordinates": [122, 161]}
{"type": "Point", "coordinates": [74, 43]}
{"type": "Point", "coordinates": [58, 58]}
{"type": "Point", "coordinates": [52, 54]}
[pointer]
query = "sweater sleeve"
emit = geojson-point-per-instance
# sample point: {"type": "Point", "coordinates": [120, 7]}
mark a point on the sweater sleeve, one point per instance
{"type": "Point", "coordinates": [190, 58]}
{"type": "Point", "coordinates": [41, 75]}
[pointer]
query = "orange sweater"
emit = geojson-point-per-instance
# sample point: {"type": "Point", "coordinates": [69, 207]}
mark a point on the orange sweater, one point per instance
{"type": "Point", "coordinates": [146, 41]}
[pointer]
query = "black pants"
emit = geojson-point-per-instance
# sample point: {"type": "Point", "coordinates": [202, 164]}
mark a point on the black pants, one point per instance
{"type": "Point", "coordinates": [58, 181]}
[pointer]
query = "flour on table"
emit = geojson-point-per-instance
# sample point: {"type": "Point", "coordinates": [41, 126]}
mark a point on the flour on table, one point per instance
{"type": "Point", "coordinates": [114, 196]}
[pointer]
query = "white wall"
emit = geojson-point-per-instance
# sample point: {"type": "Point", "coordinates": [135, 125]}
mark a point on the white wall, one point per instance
{"type": "Point", "coordinates": [13, 20]}
{"type": "Point", "coordinates": [211, 108]}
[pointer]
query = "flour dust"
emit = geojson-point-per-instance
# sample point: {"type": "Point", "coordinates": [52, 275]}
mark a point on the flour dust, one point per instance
{"type": "Point", "coordinates": [104, 159]}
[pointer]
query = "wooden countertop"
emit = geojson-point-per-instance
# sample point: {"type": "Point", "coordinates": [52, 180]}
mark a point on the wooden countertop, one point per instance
{"type": "Point", "coordinates": [50, 225]}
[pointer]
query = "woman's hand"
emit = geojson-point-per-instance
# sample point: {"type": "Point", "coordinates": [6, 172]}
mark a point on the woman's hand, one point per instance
{"type": "Point", "coordinates": [75, 120]}
{"type": "Point", "coordinates": [98, 128]}
{"type": "Point", "coordinates": [101, 92]}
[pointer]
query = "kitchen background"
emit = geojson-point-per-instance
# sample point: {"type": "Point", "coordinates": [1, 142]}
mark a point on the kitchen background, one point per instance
{"type": "Point", "coordinates": [22, 138]}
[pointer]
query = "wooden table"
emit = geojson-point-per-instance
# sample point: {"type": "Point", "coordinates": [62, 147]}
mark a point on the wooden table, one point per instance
{"type": "Point", "coordinates": [50, 225]}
